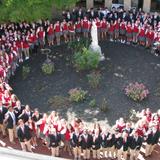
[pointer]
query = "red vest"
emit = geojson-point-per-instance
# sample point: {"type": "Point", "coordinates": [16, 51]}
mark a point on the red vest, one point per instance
{"type": "Point", "coordinates": [57, 28]}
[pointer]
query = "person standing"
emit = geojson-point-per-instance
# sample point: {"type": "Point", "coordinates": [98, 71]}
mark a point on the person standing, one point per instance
{"type": "Point", "coordinates": [10, 119]}
{"type": "Point", "coordinates": [85, 27]}
{"type": "Point", "coordinates": [118, 144]}
{"type": "Point", "coordinates": [152, 138]}
{"type": "Point", "coordinates": [86, 144]}
{"type": "Point", "coordinates": [75, 143]}
{"type": "Point", "coordinates": [71, 29]}
{"type": "Point", "coordinates": [50, 34]}
{"type": "Point", "coordinates": [24, 136]}
{"type": "Point", "coordinates": [96, 145]}
{"type": "Point", "coordinates": [135, 145]}
{"type": "Point", "coordinates": [104, 143]}
{"type": "Point", "coordinates": [64, 26]}
{"type": "Point", "coordinates": [58, 31]}
{"type": "Point", "coordinates": [54, 142]}
{"type": "Point", "coordinates": [3, 111]}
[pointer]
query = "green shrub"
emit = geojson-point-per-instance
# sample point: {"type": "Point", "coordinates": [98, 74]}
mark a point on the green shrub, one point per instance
{"type": "Point", "coordinates": [86, 59]}
{"type": "Point", "coordinates": [77, 94]}
{"type": "Point", "coordinates": [92, 103]}
{"type": "Point", "coordinates": [48, 67]}
{"type": "Point", "coordinates": [104, 105]}
{"type": "Point", "coordinates": [77, 46]}
{"type": "Point", "coordinates": [25, 72]}
{"type": "Point", "coordinates": [94, 79]}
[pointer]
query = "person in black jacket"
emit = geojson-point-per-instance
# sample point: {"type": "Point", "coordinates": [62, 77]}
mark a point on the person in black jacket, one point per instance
{"type": "Point", "coordinates": [3, 111]}
{"type": "Point", "coordinates": [104, 144]}
{"type": "Point", "coordinates": [135, 145]}
{"type": "Point", "coordinates": [152, 138]}
{"type": "Point", "coordinates": [118, 142]}
{"type": "Point", "coordinates": [54, 142]}
{"type": "Point", "coordinates": [75, 143]}
{"type": "Point", "coordinates": [110, 144]}
{"type": "Point", "coordinates": [86, 144]}
{"type": "Point", "coordinates": [10, 120]}
{"type": "Point", "coordinates": [26, 113]}
{"type": "Point", "coordinates": [96, 145]}
{"type": "Point", "coordinates": [24, 136]}
{"type": "Point", "coordinates": [123, 146]}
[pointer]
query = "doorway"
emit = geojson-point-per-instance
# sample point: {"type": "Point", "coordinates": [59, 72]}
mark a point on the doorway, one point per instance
{"type": "Point", "coordinates": [140, 4]}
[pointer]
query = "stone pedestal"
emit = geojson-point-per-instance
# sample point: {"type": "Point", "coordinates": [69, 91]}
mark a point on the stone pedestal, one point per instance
{"type": "Point", "coordinates": [97, 49]}
{"type": "Point", "coordinates": [89, 4]}
{"type": "Point", "coordinates": [108, 4]}
{"type": "Point", "coordinates": [127, 4]}
{"type": "Point", "coordinates": [146, 5]}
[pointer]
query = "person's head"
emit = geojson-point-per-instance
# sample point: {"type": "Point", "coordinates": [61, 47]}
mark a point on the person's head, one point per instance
{"type": "Point", "coordinates": [27, 108]}
{"type": "Point", "coordinates": [85, 131]}
{"type": "Point", "coordinates": [21, 123]}
{"type": "Point", "coordinates": [13, 97]}
{"type": "Point", "coordinates": [36, 111]}
{"type": "Point", "coordinates": [128, 125]}
{"type": "Point", "coordinates": [6, 93]}
{"type": "Point", "coordinates": [121, 120]}
{"type": "Point", "coordinates": [155, 117]}
{"type": "Point", "coordinates": [45, 116]}
{"type": "Point", "coordinates": [10, 109]}
{"type": "Point", "coordinates": [18, 104]}
{"type": "Point", "coordinates": [135, 133]}
{"type": "Point", "coordinates": [154, 128]}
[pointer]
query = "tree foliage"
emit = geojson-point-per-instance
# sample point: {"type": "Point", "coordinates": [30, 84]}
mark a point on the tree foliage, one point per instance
{"type": "Point", "coordinates": [30, 10]}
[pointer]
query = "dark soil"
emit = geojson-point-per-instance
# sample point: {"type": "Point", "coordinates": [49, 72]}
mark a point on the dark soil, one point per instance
{"type": "Point", "coordinates": [123, 64]}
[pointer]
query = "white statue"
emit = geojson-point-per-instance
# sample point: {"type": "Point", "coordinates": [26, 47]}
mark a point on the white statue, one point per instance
{"type": "Point", "coordinates": [94, 44]}
{"type": "Point", "coordinates": [94, 34]}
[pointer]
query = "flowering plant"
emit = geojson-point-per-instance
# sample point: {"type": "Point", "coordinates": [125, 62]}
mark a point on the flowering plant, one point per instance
{"type": "Point", "coordinates": [136, 91]}
{"type": "Point", "coordinates": [77, 94]}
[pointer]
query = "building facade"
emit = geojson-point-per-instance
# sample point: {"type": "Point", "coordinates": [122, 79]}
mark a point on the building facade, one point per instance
{"type": "Point", "coordinates": [146, 5]}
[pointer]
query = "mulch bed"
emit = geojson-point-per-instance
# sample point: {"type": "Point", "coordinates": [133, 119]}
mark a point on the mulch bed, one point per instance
{"type": "Point", "coordinates": [123, 64]}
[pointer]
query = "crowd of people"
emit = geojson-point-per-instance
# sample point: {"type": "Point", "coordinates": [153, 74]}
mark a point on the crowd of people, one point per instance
{"type": "Point", "coordinates": [18, 40]}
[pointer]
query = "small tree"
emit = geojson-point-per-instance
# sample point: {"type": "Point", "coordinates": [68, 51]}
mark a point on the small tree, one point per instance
{"type": "Point", "coordinates": [104, 105]}
{"type": "Point", "coordinates": [86, 59]}
{"type": "Point", "coordinates": [25, 72]}
{"type": "Point", "coordinates": [94, 79]}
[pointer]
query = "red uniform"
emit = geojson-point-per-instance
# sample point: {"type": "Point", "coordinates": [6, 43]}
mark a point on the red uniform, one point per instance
{"type": "Point", "coordinates": [98, 24]}
{"type": "Point", "coordinates": [142, 32]}
{"type": "Point", "coordinates": [103, 24]}
{"type": "Point", "coordinates": [116, 26]}
{"type": "Point", "coordinates": [135, 29]}
{"type": "Point", "coordinates": [78, 25]}
{"type": "Point", "coordinates": [71, 28]}
{"type": "Point", "coordinates": [129, 29]}
{"type": "Point", "coordinates": [85, 24]}
{"type": "Point", "coordinates": [65, 27]}
{"type": "Point", "coordinates": [111, 28]}
{"type": "Point", "coordinates": [41, 34]}
{"type": "Point", "coordinates": [50, 30]}
{"type": "Point", "coordinates": [25, 44]}
{"type": "Point", "coordinates": [57, 28]}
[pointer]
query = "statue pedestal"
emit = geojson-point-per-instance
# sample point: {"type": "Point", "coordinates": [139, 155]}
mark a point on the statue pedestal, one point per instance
{"type": "Point", "coordinates": [96, 48]}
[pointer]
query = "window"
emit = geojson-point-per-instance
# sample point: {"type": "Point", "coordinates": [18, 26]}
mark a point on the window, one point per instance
{"type": "Point", "coordinates": [117, 1]}
{"type": "Point", "coordinates": [155, 5]}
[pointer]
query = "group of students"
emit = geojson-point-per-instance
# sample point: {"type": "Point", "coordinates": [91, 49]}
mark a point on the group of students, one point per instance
{"type": "Point", "coordinates": [79, 140]}
{"type": "Point", "coordinates": [18, 40]}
